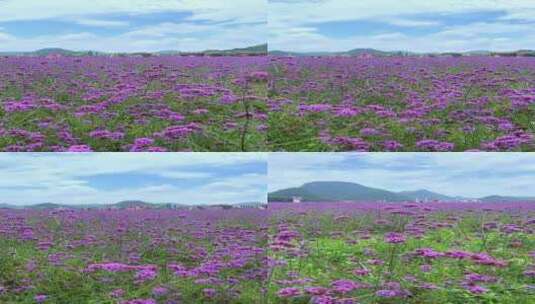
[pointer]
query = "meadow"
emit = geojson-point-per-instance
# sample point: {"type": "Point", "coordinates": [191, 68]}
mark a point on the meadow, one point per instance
{"type": "Point", "coordinates": [132, 256]}
{"type": "Point", "coordinates": [401, 104]}
{"type": "Point", "coordinates": [164, 103]}
{"type": "Point", "coordinates": [401, 253]}
{"type": "Point", "coordinates": [290, 254]}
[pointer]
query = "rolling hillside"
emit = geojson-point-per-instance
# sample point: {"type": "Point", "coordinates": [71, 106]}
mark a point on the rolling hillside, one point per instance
{"type": "Point", "coordinates": [335, 191]}
{"type": "Point", "coordinates": [329, 191]}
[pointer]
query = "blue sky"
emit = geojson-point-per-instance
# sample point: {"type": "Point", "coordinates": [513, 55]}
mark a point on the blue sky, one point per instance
{"type": "Point", "coordinates": [298, 25]}
{"type": "Point", "coordinates": [188, 178]}
{"type": "Point", "coordinates": [132, 25]}
{"type": "Point", "coordinates": [409, 25]}
{"type": "Point", "coordinates": [456, 174]}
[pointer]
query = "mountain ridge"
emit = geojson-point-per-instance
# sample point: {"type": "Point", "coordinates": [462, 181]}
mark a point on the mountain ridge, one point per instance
{"type": "Point", "coordinates": [126, 204]}
{"type": "Point", "coordinates": [347, 191]}
{"type": "Point", "coordinates": [380, 53]}
{"type": "Point", "coordinates": [250, 50]}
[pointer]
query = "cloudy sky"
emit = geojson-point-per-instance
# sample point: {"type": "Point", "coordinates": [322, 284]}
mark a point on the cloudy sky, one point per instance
{"type": "Point", "coordinates": [131, 25]}
{"type": "Point", "coordinates": [103, 178]}
{"type": "Point", "coordinates": [411, 25]}
{"type": "Point", "coordinates": [463, 174]}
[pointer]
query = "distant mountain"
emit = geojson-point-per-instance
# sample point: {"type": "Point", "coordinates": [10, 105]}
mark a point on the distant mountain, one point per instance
{"type": "Point", "coordinates": [256, 49]}
{"type": "Point", "coordinates": [353, 52]}
{"type": "Point", "coordinates": [6, 206]}
{"type": "Point", "coordinates": [301, 54]}
{"type": "Point", "coordinates": [262, 49]}
{"type": "Point", "coordinates": [344, 191]}
{"type": "Point", "coordinates": [527, 53]}
{"type": "Point", "coordinates": [479, 53]}
{"type": "Point", "coordinates": [375, 52]}
{"type": "Point", "coordinates": [59, 51]}
{"type": "Point", "coordinates": [286, 195]}
{"type": "Point", "coordinates": [252, 50]}
{"type": "Point", "coordinates": [168, 52]}
{"type": "Point", "coordinates": [335, 191]}
{"type": "Point", "coordinates": [379, 53]}
{"type": "Point", "coordinates": [119, 205]}
{"type": "Point", "coordinates": [130, 204]}
{"type": "Point", "coordinates": [249, 204]}
{"type": "Point", "coordinates": [46, 206]}
{"type": "Point", "coordinates": [426, 195]}
{"type": "Point", "coordinates": [53, 51]}
{"type": "Point", "coordinates": [501, 199]}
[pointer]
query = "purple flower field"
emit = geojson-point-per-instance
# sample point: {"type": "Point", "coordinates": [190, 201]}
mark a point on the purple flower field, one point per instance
{"type": "Point", "coordinates": [167, 103]}
{"type": "Point", "coordinates": [132, 256]}
{"type": "Point", "coordinates": [401, 104]}
{"type": "Point", "coordinates": [292, 253]}
{"type": "Point", "coordinates": [401, 253]}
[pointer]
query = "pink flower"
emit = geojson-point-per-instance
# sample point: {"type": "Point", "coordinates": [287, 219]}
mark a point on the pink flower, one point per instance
{"type": "Point", "coordinates": [476, 289]}
{"type": "Point", "coordinates": [145, 275]}
{"type": "Point", "coordinates": [394, 238]}
{"type": "Point", "coordinates": [345, 286]}
{"type": "Point", "coordinates": [317, 291]}
{"type": "Point", "coordinates": [159, 291]}
{"type": "Point", "coordinates": [117, 293]}
{"type": "Point", "coordinates": [386, 293]}
{"type": "Point", "coordinates": [289, 292]}
{"type": "Point", "coordinates": [40, 298]}
{"type": "Point", "coordinates": [428, 253]}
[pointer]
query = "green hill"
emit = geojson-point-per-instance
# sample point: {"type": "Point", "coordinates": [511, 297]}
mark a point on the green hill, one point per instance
{"type": "Point", "coordinates": [260, 49]}
{"type": "Point", "coordinates": [425, 195]}
{"type": "Point", "coordinates": [335, 191]}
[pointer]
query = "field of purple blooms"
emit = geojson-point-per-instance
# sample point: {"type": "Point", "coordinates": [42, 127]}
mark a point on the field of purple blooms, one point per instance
{"type": "Point", "coordinates": [132, 257]}
{"type": "Point", "coordinates": [367, 253]}
{"type": "Point", "coordinates": [401, 104]}
{"type": "Point", "coordinates": [167, 103]}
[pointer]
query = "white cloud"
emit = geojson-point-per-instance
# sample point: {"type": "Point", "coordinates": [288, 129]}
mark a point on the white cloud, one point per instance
{"type": "Point", "coordinates": [217, 10]}
{"type": "Point", "coordinates": [410, 23]}
{"type": "Point", "coordinates": [286, 16]}
{"type": "Point", "coordinates": [225, 24]}
{"type": "Point", "coordinates": [444, 41]}
{"type": "Point", "coordinates": [343, 10]}
{"type": "Point", "coordinates": [167, 36]}
{"type": "Point", "coordinates": [36, 178]}
{"type": "Point", "coordinates": [101, 23]}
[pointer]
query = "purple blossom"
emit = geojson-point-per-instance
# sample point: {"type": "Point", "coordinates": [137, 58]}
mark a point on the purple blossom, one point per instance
{"type": "Point", "coordinates": [159, 291]}
{"type": "Point", "coordinates": [345, 286]}
{"type": "Point", "coordinates": [386, 293]}
{"type": "Point", "coordinates": [394, 238]}
{"type": "Point", "coordinates": [476, 289]}
{"type": "Point", "coordinates": [40, 298]}
{"type": "Point", "coordinates": [289, 292]}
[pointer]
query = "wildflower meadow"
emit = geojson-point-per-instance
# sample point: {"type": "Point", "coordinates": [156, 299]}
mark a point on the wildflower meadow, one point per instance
{"type": "Point", "coordinates": [132, 256]}
{"type": "Point", "coordinates": [401, 104]}
{"type": "Point", "coordinates": [154, 104]}
{"type": "Point", "coordinates": [402, 253]}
